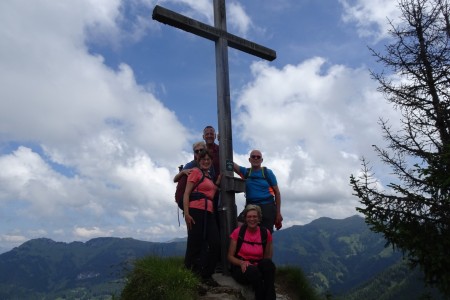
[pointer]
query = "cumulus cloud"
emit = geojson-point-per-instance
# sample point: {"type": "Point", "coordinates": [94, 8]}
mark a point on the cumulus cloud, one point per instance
{"type": "Point", "coordinates": [93, 122]}
{"type": "Point", "coordinates": [313, 122]}
{"type": "Point", "coordinates": [89, 233]}
{"type": "Point", "coordinates": [197, 9]}
{"type": "Point", "coordinates": [13, 238]}
{"type": "Point", "coordinates": [26, 176]}
{"type": "Point", "coordinates": [239, 19]}
{"type": "Point", "coordinates": [87, 151]}
{"type": "Point", "coordinates": [371, 16]}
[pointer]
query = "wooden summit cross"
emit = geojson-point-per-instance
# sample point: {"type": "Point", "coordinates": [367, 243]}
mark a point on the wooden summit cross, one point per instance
{"type": "Point", "coordinates": [218, 33]}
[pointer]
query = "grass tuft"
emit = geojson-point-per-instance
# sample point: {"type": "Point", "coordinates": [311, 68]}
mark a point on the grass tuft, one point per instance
{"type": "Point", "coordinates": [160, 279]}
{"type": "Point", "coordinates": [294, 283]}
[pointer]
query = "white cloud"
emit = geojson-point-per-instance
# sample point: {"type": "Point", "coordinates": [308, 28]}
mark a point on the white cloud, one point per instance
{"type": "Point", "coordinates": [197, 9]}
{"type": "Point", "coordinates": [239, 19]}
{"type": "Point", "coordinates": [97, 152]}
{"type": "Point", "coordinates": [41, 62]}
{"type": "Point", "coordinates": [13, 238]}
{"type": "Point", "coordinates": [203, 10]}
{"type": "Point", "coordinates": [89, 233]}
{"type": "Point", "coordinates": [84, 116]}
{"type": "Point", "coordinates": [312, 121]}
{"type": "Point", "coordinates": [26, 176]}
{"type": "Point", "coordinates": [371, 16]}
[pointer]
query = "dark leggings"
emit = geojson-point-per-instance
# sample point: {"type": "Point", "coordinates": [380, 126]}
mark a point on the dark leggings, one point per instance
{"type": "Point", "coordinates": [203, 244]}
{"type": "Point", "coordinates": [269, 213]}
{"type": "Point", "coordinates": [261, 277]}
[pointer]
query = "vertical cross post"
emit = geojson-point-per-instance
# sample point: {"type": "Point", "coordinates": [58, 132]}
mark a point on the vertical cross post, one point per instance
{"type": "Point", "coordinates": [229, 184]}
{"type": "Point", "coordinates": [228, 213]}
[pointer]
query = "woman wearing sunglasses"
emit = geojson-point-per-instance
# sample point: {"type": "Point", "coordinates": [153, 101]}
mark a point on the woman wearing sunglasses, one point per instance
{"type": "Point", "coordinates": [186, 169]}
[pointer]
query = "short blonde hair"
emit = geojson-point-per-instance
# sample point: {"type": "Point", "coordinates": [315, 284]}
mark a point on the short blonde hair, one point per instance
{"type": "Point", "coordinates": [201, 143]}
{"type": "Point", "coordinates": [253, 207]}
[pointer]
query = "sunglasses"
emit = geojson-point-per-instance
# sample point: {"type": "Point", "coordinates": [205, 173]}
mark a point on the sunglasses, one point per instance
{"type": "Point", "coordinates": [198, 150]}
{"type": "Point", "coordinates": [255, 156]}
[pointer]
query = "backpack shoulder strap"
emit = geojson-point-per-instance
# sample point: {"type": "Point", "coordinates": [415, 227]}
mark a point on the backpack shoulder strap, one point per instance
{"type": "Point", "coordinates": [265, 175]}
{"type": "Point", "coordinates": [200, 181]}
{"type": "Point", "coordinates": [247, 173]}
{"type": "Point", "coordinates": [242, 230]}
{"type": "Point", "coordinates": [240, 240]}
{"type": "Point", "coordinates": [263, 172]}
{"type": "Point", "coordinates": [263, 232]}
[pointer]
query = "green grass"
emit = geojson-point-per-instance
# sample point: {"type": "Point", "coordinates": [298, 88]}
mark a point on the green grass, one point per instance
{"type": "Point", "coordinates": [294, 283]}
{"type": "Point", "coordinates": [160, 278]}
{"type": "Point", "coordinates": [166, 279]}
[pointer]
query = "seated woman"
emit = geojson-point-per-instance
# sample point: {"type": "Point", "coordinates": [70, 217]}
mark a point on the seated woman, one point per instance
{"type": "Point", "coordinates": [250, 255]}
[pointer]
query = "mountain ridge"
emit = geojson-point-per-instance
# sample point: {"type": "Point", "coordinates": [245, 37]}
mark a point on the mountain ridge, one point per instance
{"type": "Point", "coordinates": [338, 256]}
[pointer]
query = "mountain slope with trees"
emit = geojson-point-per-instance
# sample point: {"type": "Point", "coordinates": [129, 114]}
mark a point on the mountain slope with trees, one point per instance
{"type": "Point", "coordinates": [396, 282]}
{"type": "Point", "coordinates": [336, 255]}
{"type": "Point", "coordinates": [42, 267]}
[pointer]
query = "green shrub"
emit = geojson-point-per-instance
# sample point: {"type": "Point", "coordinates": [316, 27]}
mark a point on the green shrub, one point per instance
{"type": "Point", "coordinates": [160, 278]}
{"type": "Point", "coordinates": [294, 283]}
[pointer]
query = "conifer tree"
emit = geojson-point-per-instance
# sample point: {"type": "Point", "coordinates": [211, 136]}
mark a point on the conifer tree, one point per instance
{"type": "Point", "coordinates": [413, 213]}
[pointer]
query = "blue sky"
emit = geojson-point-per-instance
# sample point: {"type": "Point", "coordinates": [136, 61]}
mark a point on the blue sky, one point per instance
{"type": "Point", "coordinates": [100, 104]}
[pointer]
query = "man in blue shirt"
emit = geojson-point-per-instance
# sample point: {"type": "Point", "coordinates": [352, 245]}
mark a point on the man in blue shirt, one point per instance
{"type": "Point", "coordinates": [261, 189]}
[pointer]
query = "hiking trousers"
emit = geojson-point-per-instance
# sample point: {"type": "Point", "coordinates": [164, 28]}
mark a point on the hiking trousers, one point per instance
{"type": "Point", "coordinates": [203, 243]}
{"type": "Point", "coordinates": [261, 277]}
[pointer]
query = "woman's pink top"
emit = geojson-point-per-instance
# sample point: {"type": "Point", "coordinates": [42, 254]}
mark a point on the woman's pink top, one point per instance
{"type": "Point", "coordinates": [249, 251]}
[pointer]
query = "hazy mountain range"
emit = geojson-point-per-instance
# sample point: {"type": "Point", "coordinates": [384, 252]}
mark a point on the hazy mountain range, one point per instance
{"type": "Point", "coordinates": [342, 258]}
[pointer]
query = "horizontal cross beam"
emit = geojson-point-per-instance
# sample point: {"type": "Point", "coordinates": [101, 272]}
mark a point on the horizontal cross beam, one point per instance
{"type": "Point", "coordinates": [212, 33]}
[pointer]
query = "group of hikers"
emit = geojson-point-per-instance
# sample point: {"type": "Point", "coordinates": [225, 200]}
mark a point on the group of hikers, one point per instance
{"type": "Point", "coordinates": [250, 247]}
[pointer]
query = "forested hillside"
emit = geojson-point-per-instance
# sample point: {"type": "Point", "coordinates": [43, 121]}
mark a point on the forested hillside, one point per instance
{"type": "Point", "coordinates": [341, 258]}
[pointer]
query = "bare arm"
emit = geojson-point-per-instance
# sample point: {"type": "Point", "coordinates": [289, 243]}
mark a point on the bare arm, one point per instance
{"type": "Point", "coordinates": [279, 217]}
{"type": "Point", "coordinates": [218, 180]}
{"type": "Point", "coordinates": [268, 252]}
{"type": "Point", "coordinates": [187, 192]}
{"type": "Point", "coordinates": [233, 259]}
{"type": "Point", "coordinates": [181, 173]}
{"type": "Point", "coordinates": [236, 167]}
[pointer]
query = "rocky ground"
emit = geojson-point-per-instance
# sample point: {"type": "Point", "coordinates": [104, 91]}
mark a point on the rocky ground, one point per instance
{"type": "Point", "coordinates": [229, 289]}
